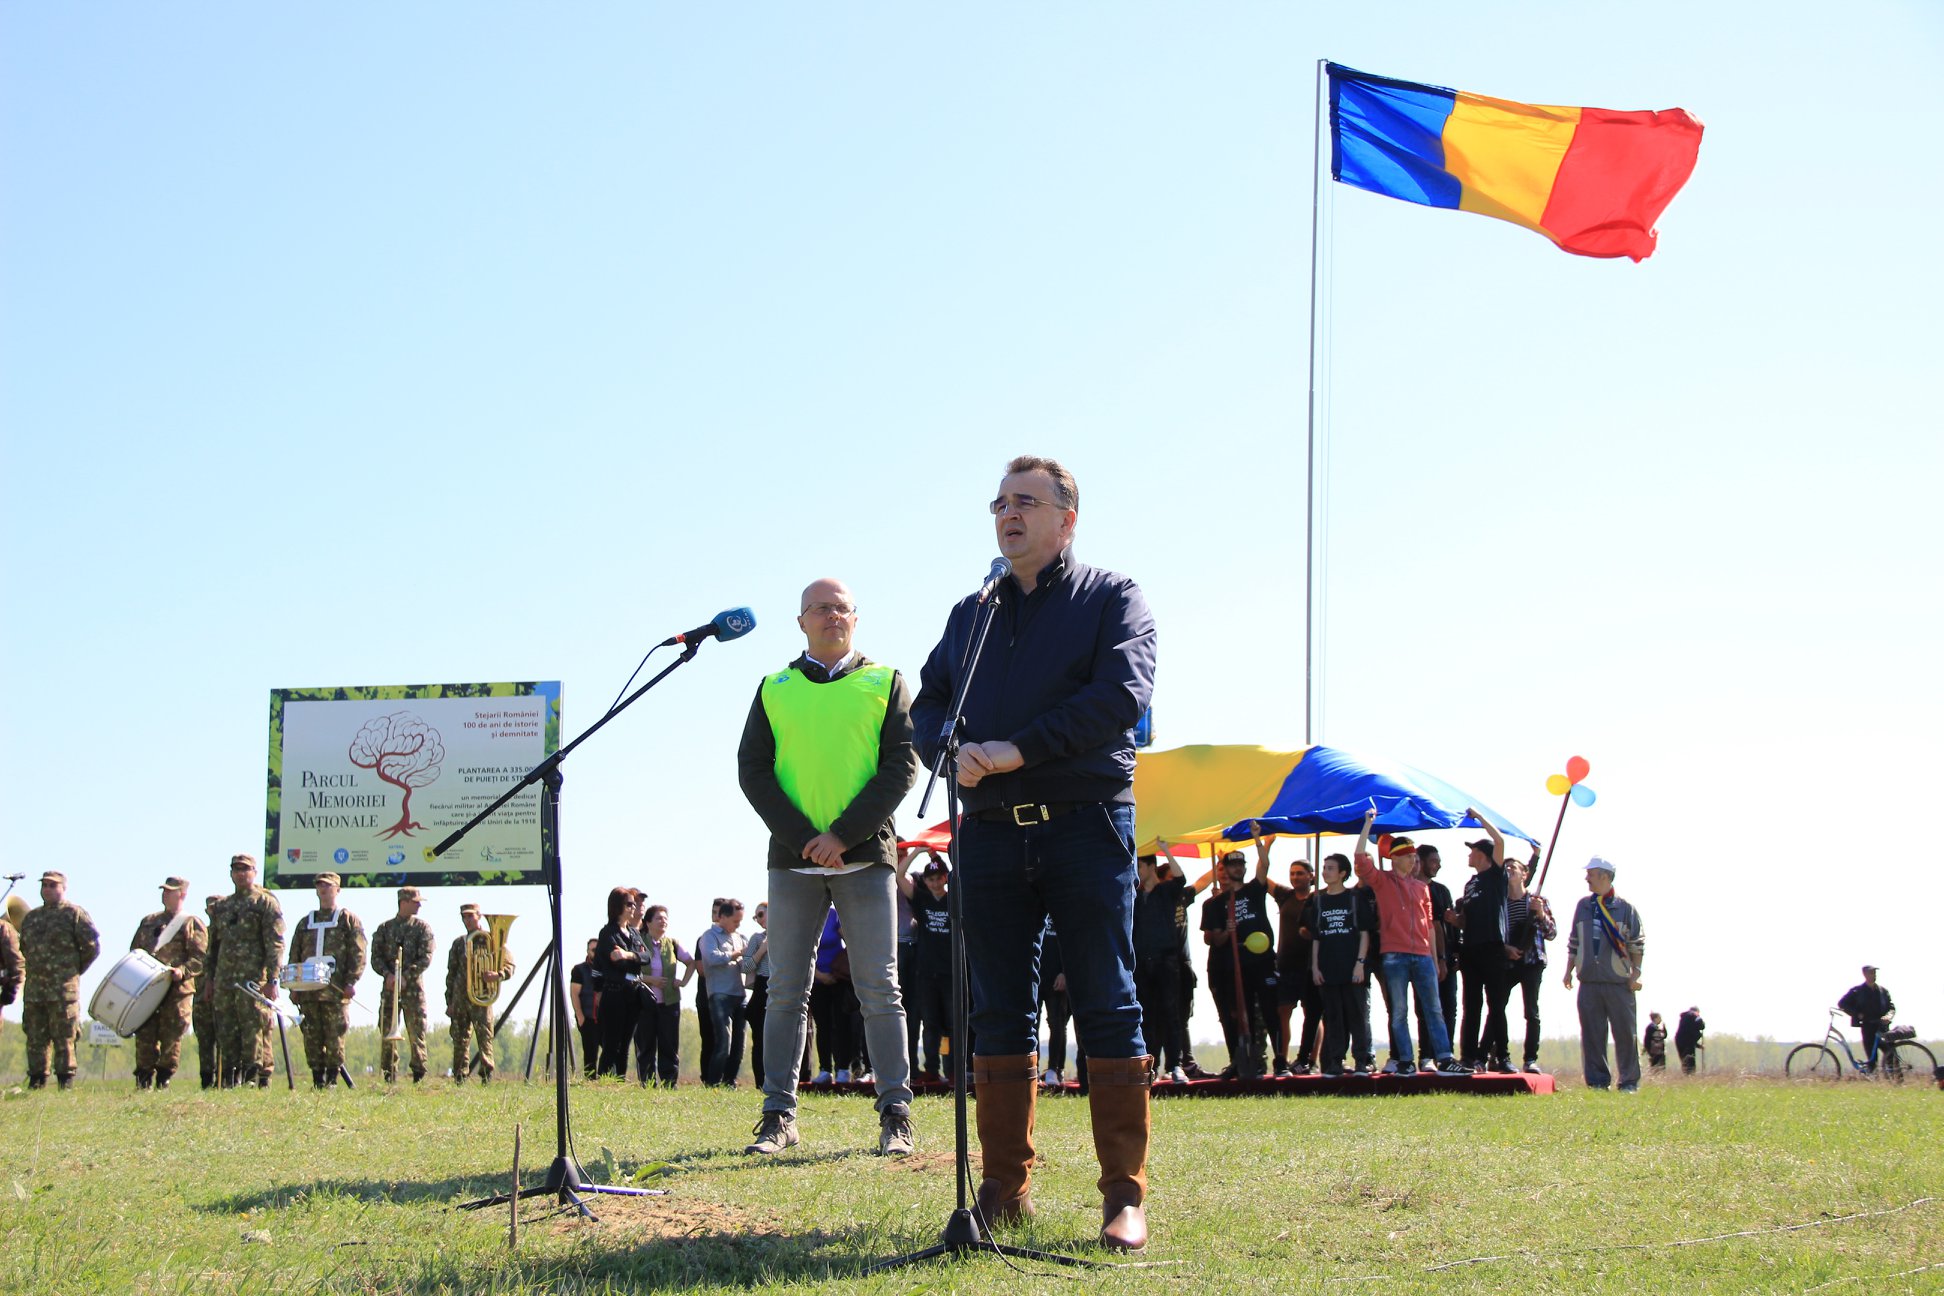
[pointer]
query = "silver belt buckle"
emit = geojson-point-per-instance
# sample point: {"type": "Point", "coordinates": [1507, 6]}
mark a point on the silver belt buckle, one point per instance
{"type": "Point", "coordinates": [1028, 823]}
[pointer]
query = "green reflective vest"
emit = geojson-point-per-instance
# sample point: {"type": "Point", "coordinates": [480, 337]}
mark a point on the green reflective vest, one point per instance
{"type": "Point", "coordinates": [826, 736]}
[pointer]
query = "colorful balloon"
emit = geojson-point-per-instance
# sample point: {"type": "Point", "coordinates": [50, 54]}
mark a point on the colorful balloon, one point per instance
{"type": "Point", "coordinates": [1256, 942]}
{"type": "Point", "coordinates": [1558, 784]}
{"type": "Point", "coordinates": [1583, 795]}
{"type": "Point", "coordinates": [1577, 769]}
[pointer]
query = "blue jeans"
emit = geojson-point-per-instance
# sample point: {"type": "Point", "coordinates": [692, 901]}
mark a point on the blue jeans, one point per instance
{"type": "Point", "coordinates": [1077, 867]}
{"type": "Point", "coordinates": [1419, 973]}
{"type": "Point", "coordinates": [725, 1060]}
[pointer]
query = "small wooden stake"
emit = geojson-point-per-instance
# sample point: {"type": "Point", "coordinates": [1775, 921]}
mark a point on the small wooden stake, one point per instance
{"type": "Point", "coordinates": [513, 1206]}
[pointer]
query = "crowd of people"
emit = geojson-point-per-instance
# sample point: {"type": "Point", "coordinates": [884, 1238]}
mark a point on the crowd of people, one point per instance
{"type": "Point", "coordinates": [1292, 992]}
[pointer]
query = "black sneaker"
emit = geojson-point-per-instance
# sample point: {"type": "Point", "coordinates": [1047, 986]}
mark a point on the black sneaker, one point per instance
{"type": "Point", "coordinates": [774, 1132]}
{"type": "Point", "coordinates": [894, 1131]}
{"type": "Point", "coordinates": [1452, 1067]}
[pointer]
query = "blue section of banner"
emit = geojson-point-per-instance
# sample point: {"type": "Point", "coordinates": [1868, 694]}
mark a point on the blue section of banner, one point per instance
{"type": "Point", "coordinates": [1388, 137]}
{"type": "Point", "coordinates": [1329, 790]}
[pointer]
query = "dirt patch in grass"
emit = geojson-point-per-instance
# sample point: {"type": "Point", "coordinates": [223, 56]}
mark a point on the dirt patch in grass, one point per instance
{"type": "Point", "coordinates": [655, 1219]}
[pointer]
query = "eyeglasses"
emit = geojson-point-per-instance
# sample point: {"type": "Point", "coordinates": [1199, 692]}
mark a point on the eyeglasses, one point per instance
{"type": "Point", "coordinates": [826, 609]}
{"type": "Point", "coordinates": [1024, 503]}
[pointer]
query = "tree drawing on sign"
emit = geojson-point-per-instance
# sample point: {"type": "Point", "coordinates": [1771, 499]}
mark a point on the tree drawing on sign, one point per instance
{"type": "Point", "coordinates": [404, 751]}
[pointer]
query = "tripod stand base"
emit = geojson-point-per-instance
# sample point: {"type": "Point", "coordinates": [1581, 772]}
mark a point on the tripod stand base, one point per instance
{"type": "Point", "coordinates": [568, 1183]}
{"type": "Point", "coordinates": [962, 1234]}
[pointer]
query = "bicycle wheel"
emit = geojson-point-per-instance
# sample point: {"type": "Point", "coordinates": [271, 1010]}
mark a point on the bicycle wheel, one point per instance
{"type": "Point", "coordinates": [1812, 1062]}
{"type": "Point", "coordinates": [1907, 1059]}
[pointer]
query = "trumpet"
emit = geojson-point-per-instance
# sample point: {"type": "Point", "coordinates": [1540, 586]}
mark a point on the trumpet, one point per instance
{"type": "Point", "coordinates": [486, 959]}
{"type": "Point", "coordinates": [395, 1029]}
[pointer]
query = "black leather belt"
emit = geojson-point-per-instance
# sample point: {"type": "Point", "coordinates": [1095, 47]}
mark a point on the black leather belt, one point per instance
{"type": "Point", "coordinates": [1026, 816]}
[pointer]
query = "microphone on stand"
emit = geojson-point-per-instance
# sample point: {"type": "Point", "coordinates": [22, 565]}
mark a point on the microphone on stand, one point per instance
{"type": "Point", "coordinates": [731, 624]}
{"type": "Point", "coordinates": [1001, 568]}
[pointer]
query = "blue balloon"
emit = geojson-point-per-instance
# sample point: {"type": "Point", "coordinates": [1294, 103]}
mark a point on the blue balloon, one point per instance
{"type": "Point", "coordinates": [1583, 795]}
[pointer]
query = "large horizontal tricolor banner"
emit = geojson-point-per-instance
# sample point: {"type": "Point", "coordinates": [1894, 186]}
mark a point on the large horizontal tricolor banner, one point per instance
{"type": "Point", "coordinates": [1592, 180]}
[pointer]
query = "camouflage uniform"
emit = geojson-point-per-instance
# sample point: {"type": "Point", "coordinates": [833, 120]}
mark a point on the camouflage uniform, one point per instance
{"type": "Point", "coordinates": [468, 1018]}
{"type": "Point", "coordinates": [325, 1011]}
{"type": "Point", "coordinates": [158, 1041]}
{"type": "Point", "coordinates": [202, 1015]}
{"type": "Point", "coordinates": [59, 942]}
{"type": "Point", "coordinates": [245, 944]}
{"type": "Point", "coordinates": [413, 937]}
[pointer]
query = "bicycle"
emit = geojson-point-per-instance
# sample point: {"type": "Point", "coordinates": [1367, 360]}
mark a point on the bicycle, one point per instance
{"type": "Point", "coordinates": [1898, 1056]}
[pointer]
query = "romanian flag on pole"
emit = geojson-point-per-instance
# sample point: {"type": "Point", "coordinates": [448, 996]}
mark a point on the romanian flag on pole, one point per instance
{"type": "Point", "coordinates": [1592, 180]}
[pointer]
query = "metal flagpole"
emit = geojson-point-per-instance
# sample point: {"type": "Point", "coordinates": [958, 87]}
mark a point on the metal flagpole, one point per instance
{"type": "Point", "coordinates": [1309, 508]}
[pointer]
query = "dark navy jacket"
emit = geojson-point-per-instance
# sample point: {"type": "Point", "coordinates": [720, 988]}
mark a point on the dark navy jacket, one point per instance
{"type": "Point", "coordinates": [1066, 672]}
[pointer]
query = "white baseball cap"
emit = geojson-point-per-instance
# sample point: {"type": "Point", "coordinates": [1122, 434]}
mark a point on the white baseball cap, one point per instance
{"type": "Point", "coordinates": [1601, 862]}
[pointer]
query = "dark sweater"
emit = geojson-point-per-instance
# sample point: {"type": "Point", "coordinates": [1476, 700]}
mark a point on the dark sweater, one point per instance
{"type": "Point", "coordinates": [1066, 672]}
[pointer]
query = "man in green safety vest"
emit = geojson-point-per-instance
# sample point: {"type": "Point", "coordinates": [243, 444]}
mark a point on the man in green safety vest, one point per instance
{"type": "Point", "coordinates": [826, 757]}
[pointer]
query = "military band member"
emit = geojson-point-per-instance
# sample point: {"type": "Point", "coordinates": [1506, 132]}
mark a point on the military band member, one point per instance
{"type": "Point", "coordinates": [335, 933]}
{"type": "Point", "coordinates": [469, 1018]}
{"type": "Point", "coordinates": [12, 966]}
{"type": "Point", "coordinates": [179, 940]}
{"type": "Point", "coordinates": [245, 945]}
{"type": "Point", "coordinates": [406, 938]}
{"type": "Point", "coordinates": [59, 942]}
{"type": "Point", "coordinates": [202, 1015]}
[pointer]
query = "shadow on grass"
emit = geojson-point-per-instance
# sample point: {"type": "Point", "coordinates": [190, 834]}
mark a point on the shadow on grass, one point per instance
{"type": "Point", "coordinates": [450, 1191]}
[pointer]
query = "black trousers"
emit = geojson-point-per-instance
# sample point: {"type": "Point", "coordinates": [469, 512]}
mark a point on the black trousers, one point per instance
{"type": "Point", "coordinates": [1300, 989]}
{"type": "Point", "coordinates": [835, 1022]}
{"type": "Point", "coordinates": [1057, 1012]}
{"type": "Point", "coordinates": [658, 1037]}
{"type": "Point", "coordinates": [1346, 1024]}
{"type": "Point", "coordinates": [1488, 986]}
{"type": "Point", "coordinates": [1247, 1023]}
{"type": "Point", "coordinates": [619, 1007]}
{"type": "Point", "coordinates": [1529, 977]}
{"type": "Point", "coordinates": [753, 1013]}
{"type": "Point", "coordinates": [705, 1026]}
{"type": "Point", "coordinates": [934, 991]}
{"type": "Point", "coordinates": [1157, 984]}
{"type": "Point", "coordinates": [910, 993]}
{"type": "Point", "coordinates": [590, 1042]}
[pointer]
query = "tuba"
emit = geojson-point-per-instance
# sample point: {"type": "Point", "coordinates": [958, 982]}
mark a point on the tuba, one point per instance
{"type": "Point", "coordinates": [486, 959]}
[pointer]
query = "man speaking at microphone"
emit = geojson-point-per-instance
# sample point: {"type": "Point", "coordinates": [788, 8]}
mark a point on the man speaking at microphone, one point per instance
{"type": "Point", "coordinates": [1046, 771]}
{"type": "Point", "coordinates": [825, 759]}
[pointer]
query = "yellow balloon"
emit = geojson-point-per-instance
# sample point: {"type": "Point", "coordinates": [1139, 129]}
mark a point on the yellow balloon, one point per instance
{"type": "Point", "coordinates": [1256, 942]}
{"type": "Point", "coordinates": [1558, 784]}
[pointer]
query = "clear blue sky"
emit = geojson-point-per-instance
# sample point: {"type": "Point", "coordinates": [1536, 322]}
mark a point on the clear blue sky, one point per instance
{"type": "Point", "coordinates": [425, 343]}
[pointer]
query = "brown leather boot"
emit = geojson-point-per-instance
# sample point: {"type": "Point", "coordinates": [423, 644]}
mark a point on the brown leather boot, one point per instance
{"type": "Point", "coordinates": [1117, 1095]}
{"type": "Point", "coordinates": [1006, 1088]}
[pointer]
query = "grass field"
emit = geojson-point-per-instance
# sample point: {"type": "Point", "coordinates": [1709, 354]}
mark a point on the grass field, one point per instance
{"type": "Point", "coordinates": [111, 1191]}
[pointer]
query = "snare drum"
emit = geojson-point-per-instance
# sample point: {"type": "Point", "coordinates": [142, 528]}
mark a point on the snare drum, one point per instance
{"type": "Point", "coordinates": [311, 974]}
{"type": "Point", "coordinates": [134, 988]}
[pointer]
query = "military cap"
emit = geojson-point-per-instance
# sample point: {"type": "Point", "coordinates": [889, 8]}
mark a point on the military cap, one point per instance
{"type": "Point", "coordinates": [175, 884]}
{"type": "Point", "coordinates": [408, 893]}
{"type": "Point", "coordinates": [468, 908]}
{"type": "Point", "coordinates": [332, 878]}
{"type": "Point", "coordinates": [52, 876]}
{"type": "Point", "coordinates": [243, 857]}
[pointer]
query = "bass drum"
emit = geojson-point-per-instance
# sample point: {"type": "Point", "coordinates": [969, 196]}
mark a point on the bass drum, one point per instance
{"type": "Point", "coordinates": [130, 994]}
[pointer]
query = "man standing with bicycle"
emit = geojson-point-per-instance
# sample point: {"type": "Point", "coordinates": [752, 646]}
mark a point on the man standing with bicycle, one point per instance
{"type": "Point", "coordinates": [1870, 1009]}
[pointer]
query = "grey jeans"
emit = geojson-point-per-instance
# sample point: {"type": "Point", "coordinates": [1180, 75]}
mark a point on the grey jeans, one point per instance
{"type": "Point", "coordinates": [1607, 1008]}
{"type": "Point", "coordinates": [867, 906]}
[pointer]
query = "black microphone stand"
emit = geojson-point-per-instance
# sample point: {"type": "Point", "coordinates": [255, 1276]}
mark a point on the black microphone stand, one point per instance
{"type": "Point", "coordinates": [564, 1180]}
{"type": "Point", "coordinates": [965, 1229]}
